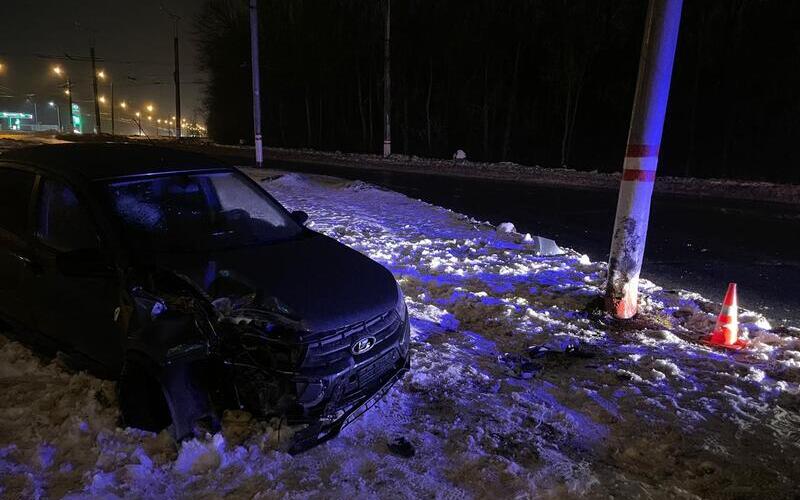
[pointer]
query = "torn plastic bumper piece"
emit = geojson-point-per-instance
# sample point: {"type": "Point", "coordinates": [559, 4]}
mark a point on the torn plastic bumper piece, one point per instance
{"type": "Point", "coordinates": [347, 412]}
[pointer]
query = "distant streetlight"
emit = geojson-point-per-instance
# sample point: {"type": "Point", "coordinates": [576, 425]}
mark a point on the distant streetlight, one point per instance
{"type": "Point", "coordinates": [58, 112]}
{"type": "Point", "coordinates": [123, 105]}
{"type": "Point", "coordinates": [59, 71]}
{"type": "Point", "coordinates": [149, 108]}
{"type": "Point", "coordinates": [101, 74]}
{"type": "Point", "coordinates": [137, 114]}
{"type": "Point", "coordinates": [2, 67]}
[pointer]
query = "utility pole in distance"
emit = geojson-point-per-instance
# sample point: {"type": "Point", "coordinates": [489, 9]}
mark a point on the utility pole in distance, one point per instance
{"type": "Point", "coordinates": [387, 84]}
{"type": "Point", "coordinates": [177, 87]}
{"type": "Point", "coordinates": [70, 122]}
{"type": "Point", "coordinates": [94, 89]}
{"type": "Point", "coordinates": [256, 82]}
{"type": "Point", "coordinates": [641, 157]}
{"type": "Point", "coordinates": [112, 107]}
{"type": "Point", "coordinates": [176, 75]}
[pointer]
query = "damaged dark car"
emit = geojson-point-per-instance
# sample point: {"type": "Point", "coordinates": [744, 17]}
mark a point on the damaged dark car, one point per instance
{"type": "Point", "coordinates": [187, 282]}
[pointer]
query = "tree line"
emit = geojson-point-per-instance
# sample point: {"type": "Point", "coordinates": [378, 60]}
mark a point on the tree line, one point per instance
{"type": "Point", "coordinates": [546, 82]}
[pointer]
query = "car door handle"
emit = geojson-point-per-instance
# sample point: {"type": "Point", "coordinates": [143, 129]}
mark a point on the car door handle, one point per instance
{"type": "Point", "coordinates": [28, 262]}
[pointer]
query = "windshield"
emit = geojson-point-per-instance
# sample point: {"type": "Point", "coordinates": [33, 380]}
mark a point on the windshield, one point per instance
{"type": "Point", "coordinates": [202, 211]}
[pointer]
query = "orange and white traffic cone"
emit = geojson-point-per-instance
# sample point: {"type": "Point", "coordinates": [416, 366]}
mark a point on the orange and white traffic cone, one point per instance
{"type": "Point", "coordinates": [726, 332]}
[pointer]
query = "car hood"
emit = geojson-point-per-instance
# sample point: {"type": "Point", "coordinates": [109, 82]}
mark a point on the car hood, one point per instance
{"type": "Point", "coordinates": [314, 279]}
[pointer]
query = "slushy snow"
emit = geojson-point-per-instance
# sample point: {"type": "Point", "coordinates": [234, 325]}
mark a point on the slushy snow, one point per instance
{"type": "Point", "coordinates": [519, 387]}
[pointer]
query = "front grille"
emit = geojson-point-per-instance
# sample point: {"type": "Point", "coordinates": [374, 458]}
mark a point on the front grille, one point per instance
{"type": "Point", "coordinates": [372, 371]}
{"type": "Point", "coordinates": [334, 347]}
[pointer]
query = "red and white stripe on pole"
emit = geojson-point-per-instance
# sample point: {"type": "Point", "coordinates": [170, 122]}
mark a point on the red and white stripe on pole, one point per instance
{"type": "Point", "coordinates": [641, 157]}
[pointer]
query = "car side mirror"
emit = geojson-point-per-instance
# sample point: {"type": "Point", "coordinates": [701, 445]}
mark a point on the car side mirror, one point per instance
{"type": "Point", "coordinates": [300, 217]}
{"type": "Point", "coordinates": [83, 262]}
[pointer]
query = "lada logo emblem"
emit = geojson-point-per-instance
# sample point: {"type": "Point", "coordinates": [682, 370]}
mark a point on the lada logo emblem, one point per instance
{"type": "Point", "coordinates": [363, 345]}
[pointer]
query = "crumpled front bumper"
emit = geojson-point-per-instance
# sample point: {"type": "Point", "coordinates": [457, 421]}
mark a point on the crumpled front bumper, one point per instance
{"type": "Point", "coordinates": [351, 393]}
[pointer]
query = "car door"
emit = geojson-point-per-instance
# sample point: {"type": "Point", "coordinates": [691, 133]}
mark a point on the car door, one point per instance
{"type": "Point", "coordinates": [16, 186]}
{"type": "Point", "coordinates": [79, 308]}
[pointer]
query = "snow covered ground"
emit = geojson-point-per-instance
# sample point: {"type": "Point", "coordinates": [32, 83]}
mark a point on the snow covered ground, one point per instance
{"type": "Point", "coordinates": [518, 388]}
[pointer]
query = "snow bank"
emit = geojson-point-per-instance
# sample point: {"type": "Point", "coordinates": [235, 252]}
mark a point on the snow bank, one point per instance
{"type": "Point", "coordinates": [518, 387]}
{"type": "Point", "coordinates": [534, 174]}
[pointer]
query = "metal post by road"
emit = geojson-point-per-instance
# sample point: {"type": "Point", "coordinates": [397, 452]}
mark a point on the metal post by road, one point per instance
{"type": "Point", "coordinates": [387, 85]}
{"type": "Point", "coordinates": [112, 108]}
{"type": "Point", "coordinates": [71, 127]}
{"type": "Point", "coordinates": [177, 88]}
{"type": "Point", "coordinates": [58, 113]}
{"type": "Point", "coordinates": [256, 82]}
{"type": "Point", "coordinates": [641, 158]}
{"type": "Point", "coordinates": [94, 89]}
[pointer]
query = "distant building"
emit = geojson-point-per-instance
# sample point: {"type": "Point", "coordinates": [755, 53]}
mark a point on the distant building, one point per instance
{"type": "Point", "coordinates": [23, 122]}
{"type": "Point", "coordinates": [12, 120]}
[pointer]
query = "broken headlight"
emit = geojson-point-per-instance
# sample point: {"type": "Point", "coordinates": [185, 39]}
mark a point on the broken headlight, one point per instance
{"type": "Point", "coordinates": [400, 307]}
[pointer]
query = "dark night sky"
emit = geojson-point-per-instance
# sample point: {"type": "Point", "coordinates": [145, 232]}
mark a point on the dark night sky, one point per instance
{"type": "Point", "coordinates": [134, 38]}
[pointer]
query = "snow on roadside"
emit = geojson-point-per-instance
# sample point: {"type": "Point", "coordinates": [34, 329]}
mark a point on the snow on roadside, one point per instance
{"type": "Point", "coordinates": [518, 387]}
{"type": "Point", "coordinates": [694, 187]}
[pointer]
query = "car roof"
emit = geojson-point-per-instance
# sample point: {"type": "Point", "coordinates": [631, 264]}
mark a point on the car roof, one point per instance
{"type": "Point", "coordinates": [94, 161]}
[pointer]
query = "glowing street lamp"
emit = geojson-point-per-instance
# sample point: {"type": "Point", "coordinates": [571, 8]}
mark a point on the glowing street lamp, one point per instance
{"type": "Point", "coordinates": [123, 105]}
{"type": "Point", "coordinates": [149, 108]}
{"type": "Point", "coordinates": [102, 99]}
{"type": "Point", "coordinates": [101, 74]}
{"type": "Point", "coordinates": [59, 71]}
{"type": "Point", "coordinates": [58, 112]}
{"type": "Point", "coordinates": [137, 114]}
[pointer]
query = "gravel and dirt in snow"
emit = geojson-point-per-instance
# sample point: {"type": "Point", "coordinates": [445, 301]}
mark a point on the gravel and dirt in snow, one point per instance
{"type": "Point", "coordinates": [519, 387]}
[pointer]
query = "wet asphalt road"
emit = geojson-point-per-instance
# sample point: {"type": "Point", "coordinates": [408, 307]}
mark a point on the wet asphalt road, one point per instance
{"type": "Point", "coordinates": [697, 245]}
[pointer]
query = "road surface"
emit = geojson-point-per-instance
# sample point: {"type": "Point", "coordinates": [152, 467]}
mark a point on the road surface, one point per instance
{"type": "Point", "coordinates": [697, 245]}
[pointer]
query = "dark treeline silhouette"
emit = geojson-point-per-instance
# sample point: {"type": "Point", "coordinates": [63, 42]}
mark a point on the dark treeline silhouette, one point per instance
{"type": "Point", "coordinates": [546, 82]}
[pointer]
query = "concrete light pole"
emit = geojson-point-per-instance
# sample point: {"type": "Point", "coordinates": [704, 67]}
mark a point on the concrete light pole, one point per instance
{"type": "Point", "coordinates": [58, 113]}
{"type": "Point", "coordinates": [70, 121]}
{"type": "Point", "coordinates": [94, 89]}
{"type": "Point", "coordinates": [256, 82]}
{"type": "Point", "coordinates": [641, 158]}
{"type": "Point", "coordinates": [387, 84]}
{"type": "Point", "coordinates": [112, 107]}
{"type": "Point", "coordinates": [176, 75]}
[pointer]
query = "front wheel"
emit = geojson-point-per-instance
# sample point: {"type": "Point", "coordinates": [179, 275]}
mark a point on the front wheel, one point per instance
{"type": "Point", "coordinates": [142, 401]}
{"type": "Point", "coordinates": [169, 398]}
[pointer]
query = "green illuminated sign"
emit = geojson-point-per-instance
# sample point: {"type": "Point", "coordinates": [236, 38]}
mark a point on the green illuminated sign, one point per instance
{"type": "Point", "coordinates": [17, 116]}
{"type": "Point", "coordinates": [77, 126]}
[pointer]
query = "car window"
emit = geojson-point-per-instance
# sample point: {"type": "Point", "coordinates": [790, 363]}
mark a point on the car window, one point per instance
{"type": "Point", "coordinates": [191, 212]}
{"type": "Point", "coordinates": [15, 195]}
{"type": "Point", "coordinates": [62, 222]}
{"type": "Point", "coordinates": [233, 194]}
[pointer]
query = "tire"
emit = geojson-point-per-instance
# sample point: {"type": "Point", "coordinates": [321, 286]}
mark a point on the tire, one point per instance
{"type": "Point", "coordinates": [141, 399]}
{"type": "Point", "coordinates": [173, 398]}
